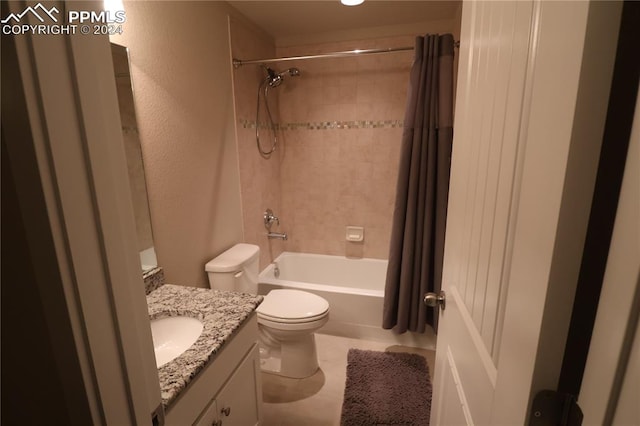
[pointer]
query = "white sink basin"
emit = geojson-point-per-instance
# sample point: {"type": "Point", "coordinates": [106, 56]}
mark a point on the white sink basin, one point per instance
{"type": "Point", "coordinates": [172, 336]}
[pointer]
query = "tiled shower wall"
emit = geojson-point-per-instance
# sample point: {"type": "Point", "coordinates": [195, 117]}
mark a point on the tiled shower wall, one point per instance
{"type": "Point", "coordinates": [340, 129]}
{"type": "Point", "coordinates": [259, 178]}
{"type": "Point", "coordinates": [342, 122]}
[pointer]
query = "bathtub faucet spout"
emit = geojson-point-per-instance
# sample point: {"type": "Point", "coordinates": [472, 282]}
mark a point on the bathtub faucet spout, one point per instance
{"type": "Point", "coordinates": [277, 235]}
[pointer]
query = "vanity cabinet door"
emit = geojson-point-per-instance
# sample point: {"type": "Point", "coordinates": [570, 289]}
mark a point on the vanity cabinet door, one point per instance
{"type": "Point", "coordinates": [240, 400]}
{"type": "Point", "coordinates": [209, 416]}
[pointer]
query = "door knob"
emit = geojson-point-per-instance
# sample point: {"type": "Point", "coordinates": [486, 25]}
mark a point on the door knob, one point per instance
{"type": "Point", "coordinates": [433, 300]}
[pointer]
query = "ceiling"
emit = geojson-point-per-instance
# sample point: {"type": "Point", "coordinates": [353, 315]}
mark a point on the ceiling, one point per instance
{"type": "Point", "coordinates": [287, 19]}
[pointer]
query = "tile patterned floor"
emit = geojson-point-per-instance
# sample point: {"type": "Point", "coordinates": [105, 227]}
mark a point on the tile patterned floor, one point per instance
{"type": "Point", "coordinates": [317, 400]}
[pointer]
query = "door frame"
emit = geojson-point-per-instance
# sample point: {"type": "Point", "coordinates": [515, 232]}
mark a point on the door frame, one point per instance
{"type": "Point", "coordinates": [616, 141]}
{"type": "Point", "coordinates": [616, 325]}
{"type": "Point", "coordinates": [61, 126]}
{"type": "Point", "coordinates": [599, 359]}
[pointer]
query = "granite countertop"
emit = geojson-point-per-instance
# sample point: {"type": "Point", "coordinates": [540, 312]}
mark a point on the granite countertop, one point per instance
{"type": "Point", "coordinates": [221, 312]}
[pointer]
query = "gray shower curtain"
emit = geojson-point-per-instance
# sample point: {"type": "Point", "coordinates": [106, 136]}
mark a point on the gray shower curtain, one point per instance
{"type": "Point", "coordinates": [417, 235]}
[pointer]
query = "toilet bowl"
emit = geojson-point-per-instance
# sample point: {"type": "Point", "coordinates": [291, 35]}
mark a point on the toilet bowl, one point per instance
{"type": "Point", "coordinates": [287, 319]}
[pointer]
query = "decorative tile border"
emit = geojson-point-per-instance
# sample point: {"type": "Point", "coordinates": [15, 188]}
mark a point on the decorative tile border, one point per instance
{"type": "Point", "coordinates": [246, 124]}
{"type": "Point", "coordinates": [327, 125]}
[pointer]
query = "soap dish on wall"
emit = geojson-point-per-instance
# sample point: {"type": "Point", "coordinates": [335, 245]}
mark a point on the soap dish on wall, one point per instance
{"type": "Point", "coordinates": [355, 234]}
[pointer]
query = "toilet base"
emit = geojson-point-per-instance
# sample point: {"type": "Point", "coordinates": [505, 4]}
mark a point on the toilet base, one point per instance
{"type": "Point", "coordinates": [294, 358]}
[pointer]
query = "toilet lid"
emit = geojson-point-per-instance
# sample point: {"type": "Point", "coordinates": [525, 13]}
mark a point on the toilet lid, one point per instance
{"type": "Point", "coordinates": [292, 305]}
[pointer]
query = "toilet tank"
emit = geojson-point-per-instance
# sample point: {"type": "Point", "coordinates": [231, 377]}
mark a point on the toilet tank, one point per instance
{"type": "Point", "coordinates": [236, 269]}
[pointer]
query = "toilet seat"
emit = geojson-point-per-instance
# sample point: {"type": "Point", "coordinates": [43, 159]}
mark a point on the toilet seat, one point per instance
{"type": "Point", "coordinates": [303, 327]}
{"type": "Point", "coordinates": [292, 321]}
{"type": "Point", "coordinates": [292, 307]}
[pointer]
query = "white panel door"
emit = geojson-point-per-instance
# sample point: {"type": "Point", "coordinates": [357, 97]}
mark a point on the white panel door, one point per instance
{"type": "Point", "coordinates": [493, 63]}
{"type": "Point", "coordinates": [515, 140]}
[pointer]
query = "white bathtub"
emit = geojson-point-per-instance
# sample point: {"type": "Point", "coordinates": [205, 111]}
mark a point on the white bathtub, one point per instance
{"type": "Point", "coordinates": [354, 289]}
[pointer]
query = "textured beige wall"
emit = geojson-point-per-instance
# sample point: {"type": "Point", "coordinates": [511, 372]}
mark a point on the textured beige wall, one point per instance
{"type": "Point", "coordinates": [260, 178]}
{"type": "Point", "coordinates": [182, 83]}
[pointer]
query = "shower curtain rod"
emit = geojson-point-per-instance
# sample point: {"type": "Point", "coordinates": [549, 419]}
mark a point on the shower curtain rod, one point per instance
{"type": "Point", "coordinates": [238, 62]}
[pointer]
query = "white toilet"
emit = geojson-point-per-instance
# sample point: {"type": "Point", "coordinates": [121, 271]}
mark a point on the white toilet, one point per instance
{"type": "Point", "coordinates": [287, 319]}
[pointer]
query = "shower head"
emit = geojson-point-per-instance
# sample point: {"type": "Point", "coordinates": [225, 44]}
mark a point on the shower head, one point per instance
{"type": "Point", "coordinates": [275, 78]}
{"type": "Point", "coordinates": [276, 81]}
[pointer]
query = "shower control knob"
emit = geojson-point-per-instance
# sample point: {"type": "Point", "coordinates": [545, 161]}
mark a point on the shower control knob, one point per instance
{"type": "Point", "coordinates": [433, 299]}
{"type": "Point", "coordinates": [269, 218]}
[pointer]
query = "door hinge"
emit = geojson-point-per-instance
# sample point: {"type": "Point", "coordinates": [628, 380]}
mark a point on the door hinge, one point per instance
{"type": "Point", "coordinates": [551, 408]}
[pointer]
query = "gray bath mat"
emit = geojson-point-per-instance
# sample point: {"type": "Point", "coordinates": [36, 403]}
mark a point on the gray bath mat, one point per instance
{"type": "Point", "coordinates": [386, 388]}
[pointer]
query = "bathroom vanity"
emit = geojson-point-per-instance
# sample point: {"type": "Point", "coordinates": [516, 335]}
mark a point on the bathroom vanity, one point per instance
{"type": "Point", "coordinates": [217, 380]}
